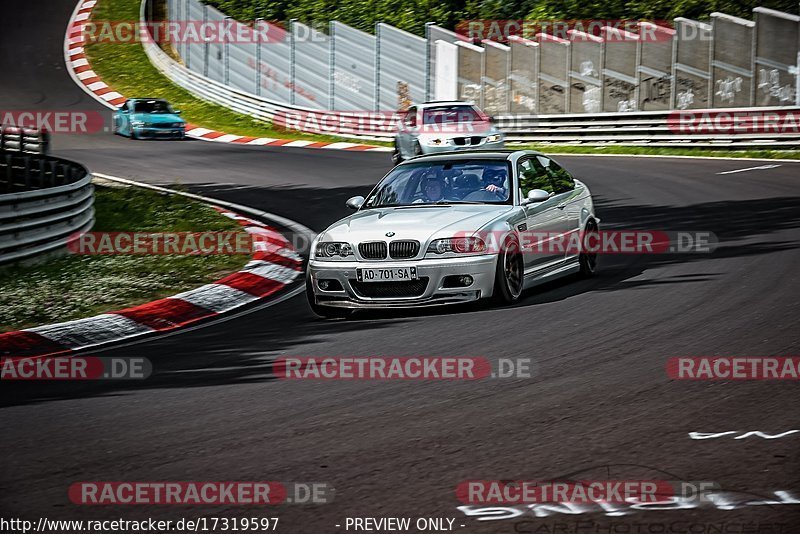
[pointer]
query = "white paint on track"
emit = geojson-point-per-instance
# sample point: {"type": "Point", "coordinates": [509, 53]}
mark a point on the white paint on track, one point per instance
{"type": "Point", "coordinates": [759, 168]}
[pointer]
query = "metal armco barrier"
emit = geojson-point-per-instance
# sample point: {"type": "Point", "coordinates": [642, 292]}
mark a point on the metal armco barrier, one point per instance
{"type": "Point", "coordinates": [732, 128]}
{"type": "Point", "coordinates": [24, 140]}
{"type": "Point", "coordinates": [44, 202]}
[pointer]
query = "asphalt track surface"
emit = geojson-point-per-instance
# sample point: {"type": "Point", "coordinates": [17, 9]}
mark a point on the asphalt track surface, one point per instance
{"type": "Point", "coordinates": [599, 406]}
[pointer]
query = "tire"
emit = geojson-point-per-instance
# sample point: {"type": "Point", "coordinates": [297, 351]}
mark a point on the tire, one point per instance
{"type": "Point", "coordinates": [397, 158]}
{"type": "Point", "coordinates": [509, 274]}
{"type": "Point", "coordinates": [326, 312]}
{"type": "Point", "coordinates": [133, 135]}
{"type": "Point", "coordinates": [588, 260]}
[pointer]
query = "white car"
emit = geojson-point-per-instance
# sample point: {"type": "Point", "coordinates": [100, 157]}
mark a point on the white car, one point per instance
{"type": "Point", "coordinates": [452, 228]}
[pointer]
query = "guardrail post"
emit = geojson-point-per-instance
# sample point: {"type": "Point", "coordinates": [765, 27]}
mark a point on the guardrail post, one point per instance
{"type": "Point", "coordinates": [42, 173]}
{"type": "Point", "coordinates": [27, 163]}
{"type": "Point", "coordinates": [292, 45]}
{"type": "Point", "coordinates": [52, 181]}
{"type": "Point", "coordinates": [428, 60]}
{"type": "Point", "coordinates": [205, 42]}
{"type": "Point", "coordinates": [259, 21]}
{"type": "Point", "coordinates": [226, 52]}
{"type": "Point", "coordinates": [332, 65]}
{"type": "Point", "coordinates": [9, 173]}
{"type": "Point", "coordinates": [377, 104]}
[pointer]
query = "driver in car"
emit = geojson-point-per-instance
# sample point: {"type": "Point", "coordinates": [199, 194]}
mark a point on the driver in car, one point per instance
{"type": "Point", "coordinates": [494, 180]}
{"type": "Point", "coordinates": [433, 188]}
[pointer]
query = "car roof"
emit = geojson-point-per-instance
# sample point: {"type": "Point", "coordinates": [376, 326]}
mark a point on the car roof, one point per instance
{"type": "Point", "coordinates": [148, 100]}
{"type": "Point", "coordinates": [471, 154]}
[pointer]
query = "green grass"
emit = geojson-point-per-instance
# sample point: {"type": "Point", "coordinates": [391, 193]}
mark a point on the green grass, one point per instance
{"type": "Point", "coordinates": [72, 286]}
{"type": "Point", "coordinates": [126, 68]}
{"type": "Point", "coordinates": [662, 151]}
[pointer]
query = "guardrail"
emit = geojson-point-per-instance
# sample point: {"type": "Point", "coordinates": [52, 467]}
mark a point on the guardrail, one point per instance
{"type": "Point", "coordinates": [24, 140]}
{"type": "Point", "coordinates": [650, 128]}
{"type": "Point", "coordinates": [723, 128]}
{"type": "Point", "coordinates": [44, 203]}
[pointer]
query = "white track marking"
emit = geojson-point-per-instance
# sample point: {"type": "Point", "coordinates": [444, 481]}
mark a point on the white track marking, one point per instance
{"type": "Point", "coordinates": [760, 167]}
{"type": "Point", "coordinates": [216, 297]}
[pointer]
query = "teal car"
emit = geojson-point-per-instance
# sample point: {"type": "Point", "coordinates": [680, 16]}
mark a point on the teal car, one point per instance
{"type": "Point", "coordinates": [148, 118]}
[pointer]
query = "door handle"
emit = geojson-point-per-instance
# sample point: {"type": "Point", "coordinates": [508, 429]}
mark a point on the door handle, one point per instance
{"type": "Point", "coordinates": [562, 206]}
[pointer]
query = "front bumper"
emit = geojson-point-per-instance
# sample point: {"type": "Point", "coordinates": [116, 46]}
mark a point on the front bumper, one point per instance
{"type": "Point", "coordinates": [159, 133]}
{"type": "Point", "coordinates": [480, 268]}
{"type": "Point", "coordinates": [438, 149]}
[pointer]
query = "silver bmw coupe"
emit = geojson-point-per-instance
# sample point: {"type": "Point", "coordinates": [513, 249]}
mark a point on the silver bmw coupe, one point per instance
{"type": "Point", "coordinates": [453, 228]}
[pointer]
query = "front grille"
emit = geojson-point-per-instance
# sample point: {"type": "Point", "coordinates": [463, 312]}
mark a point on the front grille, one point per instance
{"type": "Point", "coordinates": [387, 290]}
{"type": "Point", "coordinates": [375, 250]}
{"type": "Point", "coordinates": [403, 249]}
{"type": "Point", "coordinates": [461, 141]}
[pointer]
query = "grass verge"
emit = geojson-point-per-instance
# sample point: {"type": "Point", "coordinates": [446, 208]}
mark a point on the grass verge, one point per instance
{"type": "Point", "coordinates": [126, 68]}
{"type": "Point", "coordinates": [72, 287]}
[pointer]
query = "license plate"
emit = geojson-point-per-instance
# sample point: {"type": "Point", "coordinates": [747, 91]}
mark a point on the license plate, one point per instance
{"type": "Point", "coordinates": [389, 274]}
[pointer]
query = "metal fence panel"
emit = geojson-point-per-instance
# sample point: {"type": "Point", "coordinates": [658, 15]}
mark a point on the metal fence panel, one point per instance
{"type": "Point", "coordinates": [242, 59]}
{"type": "Point", "coordinates": [495, 79]}
{"type": "Point", "coordinates": [692, 64]}
{"type": "Point", "coordinates": [353, 82]}
{"type": "Point", "coordinates": [554, 63]}
{"type": "Point", "coordinates": [586, 67]}
{"type": "Point", "coordinates": [619, 69]}
{"type": "Point", "coordinates": [311, 81]}
{"type": "Point", "coordinates": [195, 57]}
{"type": "Point", "coordinates": [732, 61]}
{"type": "Point", "coordinates": [275, 70]}
{"type": "Point", "coordinates": [470, 72]}
{"type": "Point", "coordinates": [216, 50]}
{"type": "Point", "coordinates": [435, 33]}
{"type": "Point", "coordinates": [777, 36]}
{"type": "Point", "coordinates": [400, 81]}
{"type": "Point", "coordinates": [524, 76]}
{"type": "Point", "coordinates": [654, 72]}
{"type": "Point", "coordinates": [446, 76]}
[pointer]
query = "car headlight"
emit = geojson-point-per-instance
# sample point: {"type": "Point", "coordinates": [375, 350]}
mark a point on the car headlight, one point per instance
{"type": "Point", "coordinates": [333, 249]}
{"type": "Point", "coordinates": [459, 245]}
{"type": "Point", "coordinates": [137, 123]}
{"type": "Point", "coordinates": [493, 138]}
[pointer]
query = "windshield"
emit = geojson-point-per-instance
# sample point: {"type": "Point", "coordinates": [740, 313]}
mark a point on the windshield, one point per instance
{"type": "Point", "coordinates": [457, 182]}
{"type": "Point", "coordinates": [152, 106]}
{"type": "Point", "coordinates": [450, 115]}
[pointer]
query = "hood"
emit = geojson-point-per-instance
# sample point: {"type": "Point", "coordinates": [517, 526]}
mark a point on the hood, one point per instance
{"type": "Point", "coordinates": [156, 118]}
{"type": "Point", "coordinates": [422, 223]}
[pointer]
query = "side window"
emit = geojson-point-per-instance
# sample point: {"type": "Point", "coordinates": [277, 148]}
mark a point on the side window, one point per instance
{"type": "Point", "coordinates": [562, 180]}
{"type": "Point", "coordinates": [411, 117]}
{"type": "Point", "coordinates": [532, 175]}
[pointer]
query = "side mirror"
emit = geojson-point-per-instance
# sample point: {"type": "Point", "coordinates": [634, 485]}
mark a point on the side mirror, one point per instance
{"type": "Point", "coordinates": [177, 111]}
{"type": "Point", "coordinates": [536, 195]}
{"type": "Point", "coordinates": [123, 110]}
{"type": "Point", "coordinates": [354, 202]}
{"type": "Point", "coordinates": [491, 119]}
